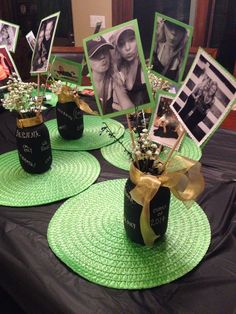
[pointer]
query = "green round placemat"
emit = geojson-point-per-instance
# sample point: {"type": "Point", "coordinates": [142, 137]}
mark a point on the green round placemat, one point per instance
{"type": "Point", "coordinates": [115, 154]}
{"type": "Point", "coordinates": [88, 235]}
{"type": "Point", "coordinates": [70, 173]}
{"type": "Point", "coordinates": [91, 138]}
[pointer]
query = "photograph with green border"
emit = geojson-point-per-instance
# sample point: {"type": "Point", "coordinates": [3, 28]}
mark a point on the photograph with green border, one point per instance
{"type": "Point", "coordinates": [117, 69]}
{"type": "Point", "coordinates": [66, 70]}
{"type": "Point", "coordinates": [171, 41]}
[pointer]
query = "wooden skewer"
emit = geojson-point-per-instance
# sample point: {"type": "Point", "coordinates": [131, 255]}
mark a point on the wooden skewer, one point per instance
{"type": "Point", "coordinates": [174, 147]}
{"type": "Point", "coordinates": [132, 139]}
{"type": "Point", "coordinates": [38, 92]}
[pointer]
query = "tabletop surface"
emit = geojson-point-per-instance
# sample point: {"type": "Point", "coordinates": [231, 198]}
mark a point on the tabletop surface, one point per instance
{"type": "Point", "coordinates": [40, 283]}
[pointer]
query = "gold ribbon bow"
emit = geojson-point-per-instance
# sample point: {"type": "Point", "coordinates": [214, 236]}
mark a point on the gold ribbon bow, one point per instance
{"type": "Point", "coordinates": [67, 95]}
{"type": "Point", "coordinates": [181, 175]}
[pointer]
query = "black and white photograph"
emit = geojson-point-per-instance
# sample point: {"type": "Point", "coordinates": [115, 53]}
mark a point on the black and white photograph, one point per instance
{"type": "Point", "coordinates": [170, 47]}
{"type": "Point", "coordinates": [9, 35]}
{"type": "Point", "coordinates": [165, 128]}
{"type": "Point", "coordinates": [7, 66]}
{"type": "Point", "coordinates": [117, 68]}
{"type": "Point", "coordinates": [44, 42]}
{"type": "Point", "coordinates": [205, 98]}
{"type": "Point", "coordinates": [31, 40]}
{"type": "Point", "coordinates": [66, 70]}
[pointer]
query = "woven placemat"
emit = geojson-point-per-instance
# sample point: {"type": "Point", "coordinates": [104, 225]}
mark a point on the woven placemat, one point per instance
{"type": "Point", "coordinates": [70, 173]}
{"type": "Point", "coordinates": [91, 138]}
{"type": "Point", "coordinates": [115, 154]}
{"type": "Point", "coordinates": [87, 234]}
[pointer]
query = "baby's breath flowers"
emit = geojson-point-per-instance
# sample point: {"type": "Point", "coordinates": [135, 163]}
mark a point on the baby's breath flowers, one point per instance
{"type": "Point", "coordinates": [56, 87]}
{"type": "Point", "coordinates": [19, 97]}
{"type": "Point", "coordinates": [146, 154]}
{"type": "Point", "coordinates": [157, 83]}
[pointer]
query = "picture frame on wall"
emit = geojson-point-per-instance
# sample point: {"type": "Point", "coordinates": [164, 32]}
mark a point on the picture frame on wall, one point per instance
{"type": "Point", "coordinates": [44, 41]}
{"type": "Point", "coordinates": [117, 69]}
{"type": "Point", "coordinates": [8, 35]}
{"type": "Point", "coordinates": [205, 98]}
{"type": "Point", "coordinates": [170, 47]}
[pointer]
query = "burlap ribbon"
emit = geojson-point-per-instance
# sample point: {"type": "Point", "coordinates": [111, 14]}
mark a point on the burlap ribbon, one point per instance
{"type": "Point", "coordinates": [181, 175]}
{"type": "Point", "coordinates": [28, 122]}
{"type": "Point", "coordinates": [67, 95]}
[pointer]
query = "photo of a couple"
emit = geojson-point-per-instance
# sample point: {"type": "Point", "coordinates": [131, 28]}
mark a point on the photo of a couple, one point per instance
{"type": "Point", "coordinates": [206, 97]}
{"type": "Point", "coordinates": [44, 42]}
{"type": "Point", "coordinates": [117, 71]}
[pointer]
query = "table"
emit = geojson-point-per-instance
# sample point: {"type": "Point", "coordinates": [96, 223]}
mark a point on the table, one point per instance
{"type": "Point", "coordinates": [39, 283]}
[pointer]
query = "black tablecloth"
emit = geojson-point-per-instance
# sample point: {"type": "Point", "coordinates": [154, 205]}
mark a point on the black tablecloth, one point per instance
{"type": "Point", "coordinates": [40, 283]}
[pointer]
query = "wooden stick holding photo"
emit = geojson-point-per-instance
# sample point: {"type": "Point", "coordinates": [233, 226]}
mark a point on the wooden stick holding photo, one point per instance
{"type": "Point", "coordinates": [131, 132]}
{"type": "Point", "coordinates": [174, 147]}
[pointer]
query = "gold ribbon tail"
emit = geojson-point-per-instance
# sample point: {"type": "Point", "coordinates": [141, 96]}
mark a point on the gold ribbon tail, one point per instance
{"type": "Point", "coordinates": [84, 106]}
{"type": "Point", "coordinates": [146, 188]}
{"type": "Point", "coordinates": [68, 95]}
{"type": "Point", "coordinates": [182, 176]}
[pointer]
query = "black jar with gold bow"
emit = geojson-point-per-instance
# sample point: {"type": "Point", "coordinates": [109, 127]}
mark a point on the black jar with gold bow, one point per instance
{"type": "Point", "coordinates": [33, 143]}
{"type": "Point", "coordinates": [70, 121]}
{"type": "Point", "coordinates": [146, 207]}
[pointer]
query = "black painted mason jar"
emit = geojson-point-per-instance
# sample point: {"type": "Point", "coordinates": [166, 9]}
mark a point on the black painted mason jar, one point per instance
{"type": "Point", "coordinates": [70, 120]}
{"type": "Point", "coordinates": [159, 213]}
{"type": "Point", "coordinates": [33, 144]}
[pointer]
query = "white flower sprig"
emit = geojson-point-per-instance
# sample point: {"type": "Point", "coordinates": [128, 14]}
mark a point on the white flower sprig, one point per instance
{"type": "Point", "coordinates": [56, 87]}
{"type": "Point", "coordinates": [19, 97]}
{"type": "Point", "coordinates": [157, 83]}
{"type": "Point", "coordinates": [147, 154]}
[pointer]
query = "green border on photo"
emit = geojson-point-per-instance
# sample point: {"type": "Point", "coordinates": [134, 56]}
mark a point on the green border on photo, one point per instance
{"type": "Point", "coordinates": [133, 24]}
{"type": "Point", "coordinates": [76, 65]}
{"type": "Point", "coordinates": [57, 15]}
{"type": "Point", "coordinates": [17, 27]}
{"type": "Point", "coordinates": [13, 64]}
{"type": "Point", "coordinates": [231, 79]}
{"type": "Point", "coordinates": [189, 29]}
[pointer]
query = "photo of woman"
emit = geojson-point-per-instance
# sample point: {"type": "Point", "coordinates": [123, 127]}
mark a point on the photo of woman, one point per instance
{"type": "Point", "coordinates": [107, 84]}
{"type": "Point", "coordinates": [170, 47]}
{"type": "Point", "coordinates": [129, 66]}
{"type": "Point", "coordinates": [204, 101]}
{"type": "Point", "coordinates": [100, 62]}
{"type": "Point", "coordinates": [206, 97]}
{"type": "Point", "coordinates": [44, 42]}
{"type": "Point", "coordinates": [7, 67]}
{"type": "Point", "coordinates": [8, 35]}
{"type": "Point", "coordinates": [117, 70]}
{"type": "Point", "coordinates": [40, 55]}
